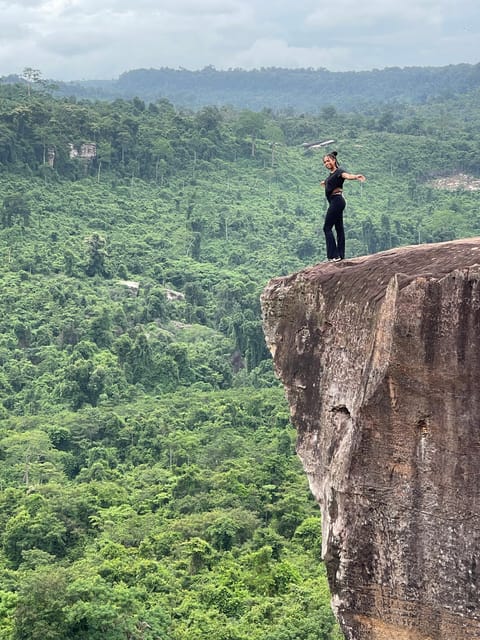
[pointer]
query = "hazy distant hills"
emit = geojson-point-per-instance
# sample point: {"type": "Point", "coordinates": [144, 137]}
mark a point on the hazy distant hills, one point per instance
{"type": "Point", "coordinates": [300, 90]}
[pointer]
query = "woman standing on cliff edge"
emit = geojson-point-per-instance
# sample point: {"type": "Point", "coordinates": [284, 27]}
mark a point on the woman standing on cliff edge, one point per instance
{"type": "Point", "coordinates": [336, 204]}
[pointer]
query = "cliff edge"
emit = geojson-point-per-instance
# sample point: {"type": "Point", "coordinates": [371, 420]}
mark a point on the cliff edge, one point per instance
{"type": "Point", "coordinates": [380, 360]}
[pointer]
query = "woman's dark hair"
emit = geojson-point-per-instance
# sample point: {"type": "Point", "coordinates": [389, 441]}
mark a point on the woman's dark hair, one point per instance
{"type": "Point", "coordinates": [333, 155]}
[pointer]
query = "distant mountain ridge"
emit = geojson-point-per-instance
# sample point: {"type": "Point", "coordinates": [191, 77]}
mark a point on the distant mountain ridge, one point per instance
{"type": "Point", "coordinates": [300, 90]}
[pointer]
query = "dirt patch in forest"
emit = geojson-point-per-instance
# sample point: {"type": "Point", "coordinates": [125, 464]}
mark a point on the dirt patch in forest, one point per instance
{"type": "Point", "coordinates": [456, 182]}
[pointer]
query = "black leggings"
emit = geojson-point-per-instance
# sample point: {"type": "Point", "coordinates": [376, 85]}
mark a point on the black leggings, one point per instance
{"type": "Point", "coordinates": [334, 218]}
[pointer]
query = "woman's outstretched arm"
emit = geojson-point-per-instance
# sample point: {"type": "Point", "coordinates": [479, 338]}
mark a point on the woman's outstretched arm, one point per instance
{"type": "Point", "coordinates": [353, 176]}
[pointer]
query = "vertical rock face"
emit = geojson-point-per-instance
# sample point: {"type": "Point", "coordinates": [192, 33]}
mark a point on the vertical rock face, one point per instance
{"type": "Point", "coordinates": [380, 359]}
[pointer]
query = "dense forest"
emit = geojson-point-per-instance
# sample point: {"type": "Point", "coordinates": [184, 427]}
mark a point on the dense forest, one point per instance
{"type": "Point", "coordinates": [297, 90]}
{"type": "Point", "coordinates": [149, 483]}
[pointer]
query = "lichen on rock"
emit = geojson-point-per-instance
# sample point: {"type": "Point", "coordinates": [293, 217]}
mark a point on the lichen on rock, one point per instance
{"type": "Point", "coordinates": [380, 360]}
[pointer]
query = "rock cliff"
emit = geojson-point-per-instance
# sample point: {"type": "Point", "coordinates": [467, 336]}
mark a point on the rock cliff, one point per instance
{"type": "Point", "coordinates": [380, 360]}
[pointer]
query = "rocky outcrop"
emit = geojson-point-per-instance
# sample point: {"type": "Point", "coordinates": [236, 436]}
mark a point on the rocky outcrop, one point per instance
{"type": "Point", "coordinates": [380, 359]}
{"type": "Point", "coordinates": [85, 151]}
{"type": "Point", "coordinates": [132, 286]}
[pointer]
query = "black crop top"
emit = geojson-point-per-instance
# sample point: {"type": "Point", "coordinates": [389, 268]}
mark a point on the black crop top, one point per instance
{"type": "Point", "coordinates": [334, 181]}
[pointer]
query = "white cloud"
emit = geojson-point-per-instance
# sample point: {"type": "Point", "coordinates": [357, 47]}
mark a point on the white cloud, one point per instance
{"type": "Point", "coordinates": [371, 13]}
{"type": "Point", "coordinates": [69, 39]}
{"type": "Point", "coordinates": [267, 52]}
{"type": "Point", "coordinates": [395, 17]}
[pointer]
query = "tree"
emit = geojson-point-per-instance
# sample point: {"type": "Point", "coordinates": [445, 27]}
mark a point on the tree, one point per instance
{"type": "Point", "coordinates": [7, 144]}
{"type": "Point", "coordinates": [100, 330]}
{"type": "Point", "coordinates": [31, 77]}
{"type": "Point", "coordinates": [251, 124]}
{"type": "Point", "coordinates": [37, 528]}
{"type": "Point", "coordinates": [140, 361]}
{"type": "Point", "coordinates": [15, 207]}
{"type": "Point", "coordinates": [30, 459]}
{"type": "Point", "coordinates": [41, 603]}
{"type": "Point", "coordinates": [209, 119]}
{"type": "Point", "coordinates": [199, 552]}
{"type": "Point", "coordinates": [104, 156]}
{"type": "Point", "coordinates": [96, 255]}
{"type": "Point", "coordinates": [155, 304]}
{"type": "Point", "coordinates": [89, 380]}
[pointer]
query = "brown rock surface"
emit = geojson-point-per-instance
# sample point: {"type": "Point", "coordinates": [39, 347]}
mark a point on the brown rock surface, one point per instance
{"type": "Point", "coordinates": [380, 359]}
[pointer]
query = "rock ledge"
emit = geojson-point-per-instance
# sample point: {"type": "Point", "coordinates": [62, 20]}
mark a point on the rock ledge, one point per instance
{"type": "Point", "coordinates": [380, 360]}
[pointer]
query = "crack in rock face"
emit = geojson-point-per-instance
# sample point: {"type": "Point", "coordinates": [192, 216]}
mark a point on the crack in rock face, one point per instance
{"type": "Point", "coordinates": [380, 360]}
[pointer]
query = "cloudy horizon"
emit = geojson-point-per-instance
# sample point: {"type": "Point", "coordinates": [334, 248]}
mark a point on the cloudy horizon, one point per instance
{"type": "Point", "coordinates": [85, 39]}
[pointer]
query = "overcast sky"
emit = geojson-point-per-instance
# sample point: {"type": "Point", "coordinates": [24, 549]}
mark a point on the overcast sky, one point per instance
{"type": "Point", "coordinates": [88, 39]}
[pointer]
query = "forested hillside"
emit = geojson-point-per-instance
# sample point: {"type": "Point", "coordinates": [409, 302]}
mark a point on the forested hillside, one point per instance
{"type": "Point", "coordinates": [149, 485]}
{"type": "Point", "coordinates": [298, 90]}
